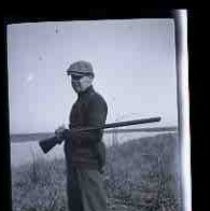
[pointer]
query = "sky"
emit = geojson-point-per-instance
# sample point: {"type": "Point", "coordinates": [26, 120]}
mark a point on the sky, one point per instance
{"type": "Point", "coordinates": [133, 61]}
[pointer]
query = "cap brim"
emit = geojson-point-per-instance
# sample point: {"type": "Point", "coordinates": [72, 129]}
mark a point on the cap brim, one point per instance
{"type": "Point", "coordinates": [74, 73]}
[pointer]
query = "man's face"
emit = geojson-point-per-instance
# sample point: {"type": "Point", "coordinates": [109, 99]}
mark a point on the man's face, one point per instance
{"type": "Point", "coordinates": [81, 82]}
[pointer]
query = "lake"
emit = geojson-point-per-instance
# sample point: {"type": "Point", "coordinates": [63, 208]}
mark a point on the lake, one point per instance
{"type": "Point", "coordinates": [27, 152]}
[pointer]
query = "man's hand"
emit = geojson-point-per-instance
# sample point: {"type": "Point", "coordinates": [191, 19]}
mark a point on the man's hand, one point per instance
{"type": "Point", "coordinates": [59, 133]}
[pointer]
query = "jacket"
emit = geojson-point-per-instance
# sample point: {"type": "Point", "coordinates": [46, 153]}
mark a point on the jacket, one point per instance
{"type": "Point", "coordinates": [81, 148]}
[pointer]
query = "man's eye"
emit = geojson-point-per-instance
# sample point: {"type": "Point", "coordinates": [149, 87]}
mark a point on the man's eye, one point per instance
{"type": "Point", "coordinates": [76, 77]}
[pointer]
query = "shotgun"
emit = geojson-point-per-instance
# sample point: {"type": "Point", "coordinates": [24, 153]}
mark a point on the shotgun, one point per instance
{"type": "Point", "coordinates": [47, 144]}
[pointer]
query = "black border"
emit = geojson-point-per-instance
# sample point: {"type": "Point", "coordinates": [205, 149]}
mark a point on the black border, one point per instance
{"type": "Point", "coordinates": [198, 89]}
{"type": "Point", "coordinates": [89, 14]}
{"type": "Point", "coordinates": [198, 149]}
{"type": "Point", "coordinates": [4, 142]}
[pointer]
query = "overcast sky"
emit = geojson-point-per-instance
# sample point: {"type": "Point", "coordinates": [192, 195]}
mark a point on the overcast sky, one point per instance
{"type": "Point", "coordinates": [133, 60]}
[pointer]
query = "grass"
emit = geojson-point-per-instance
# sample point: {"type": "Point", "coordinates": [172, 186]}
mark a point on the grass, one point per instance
{"type": "Point", "coordinates": [139, 175]}
{"type": "Point", "coordinates": [39, 186]}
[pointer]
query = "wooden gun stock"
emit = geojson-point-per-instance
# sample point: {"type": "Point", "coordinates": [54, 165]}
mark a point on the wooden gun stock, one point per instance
{"type": "Point", "coordinates": [47, 144]}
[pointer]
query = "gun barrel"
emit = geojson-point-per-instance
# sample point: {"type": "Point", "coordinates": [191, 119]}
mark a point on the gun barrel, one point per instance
{"type": "Point", "coordinates": [121, 124]}
{"type": "Point", "coordinates": [132, 122]}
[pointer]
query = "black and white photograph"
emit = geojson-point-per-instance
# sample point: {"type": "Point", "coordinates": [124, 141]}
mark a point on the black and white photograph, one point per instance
{"type": "Point", "coordinates": [96, 111]}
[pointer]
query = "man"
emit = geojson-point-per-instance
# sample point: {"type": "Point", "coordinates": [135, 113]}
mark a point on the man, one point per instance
{"type": "Point", "coordinates": [82, 149]}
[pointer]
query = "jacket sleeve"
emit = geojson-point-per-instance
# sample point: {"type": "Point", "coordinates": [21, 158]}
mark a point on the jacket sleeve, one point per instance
{"type": "Point", "coordinates": [96, 113]}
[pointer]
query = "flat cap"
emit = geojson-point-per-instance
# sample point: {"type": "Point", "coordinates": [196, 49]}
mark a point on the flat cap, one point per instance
{"type": "Point", "coordinates": [80, 67]}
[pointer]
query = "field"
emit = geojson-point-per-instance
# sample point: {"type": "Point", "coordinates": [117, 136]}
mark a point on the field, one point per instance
{"type": "Point", "coordinates": [141, 174]}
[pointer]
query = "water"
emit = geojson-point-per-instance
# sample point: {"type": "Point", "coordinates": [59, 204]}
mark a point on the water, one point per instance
{"type": "Point", "coordinates": [27, 152]}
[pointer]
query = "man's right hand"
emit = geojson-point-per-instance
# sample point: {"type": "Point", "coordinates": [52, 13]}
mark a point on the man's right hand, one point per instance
{"type": "Point", "coordinates": [59, 133]}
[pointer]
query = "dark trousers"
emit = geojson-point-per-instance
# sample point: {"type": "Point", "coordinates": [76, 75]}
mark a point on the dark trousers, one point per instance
{"type": "Point", "coordinates": [85, 190]}
{"type": "Point", "coordinates": [74, 191]}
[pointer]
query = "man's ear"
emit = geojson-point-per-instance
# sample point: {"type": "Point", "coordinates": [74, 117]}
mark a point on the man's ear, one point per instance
{"type": "Point", "coordinates": [91, 76]}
